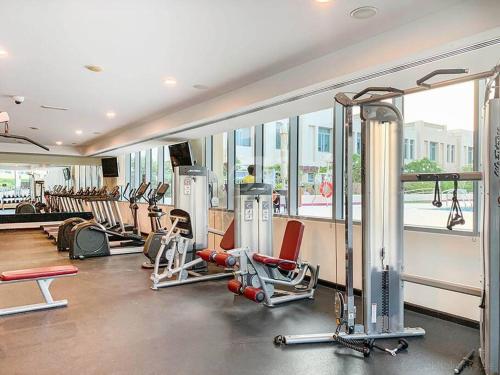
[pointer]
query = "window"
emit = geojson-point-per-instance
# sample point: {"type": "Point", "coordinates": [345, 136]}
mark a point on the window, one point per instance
{"type": "Point", "coordinates": [470, 156]}
{"type": "Point", "coordinates": [154, 167]}
{"type": "Point", "coordinates": [142, 166]}
{"type": "Point", "coordinates": [278, 135]}
{"type": "Point", "coordinates": [357, 149]}
{"type": "Point", "coordinates": [324, 139]}
{"type": "Point", "coordinates": [433, 151]}
{"type": "Point", "coordinates": [275, 165]}
{"type": "Point", "coordinates": [315, 162]}
{"type": "Point", "coordinates": [441, 121]}
{"type": "Point", "coordinates": [168, 176]}
{"type": "Point", "coordinates": [132, 171]}
{"type": "Point", "coordinates": [244, 153]}
{"type": "Point", "coordinates": [219, 167]}
{"type": "Point", "coordinates": [450, 153]}
{"type": "Point", "coordinates": [243, 137]}
{"type": "Point", "coordinates": [409, 149]}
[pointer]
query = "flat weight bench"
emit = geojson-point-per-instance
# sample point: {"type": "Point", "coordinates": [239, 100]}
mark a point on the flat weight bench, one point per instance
{"type": "Point", "coordinates": [43, 277]}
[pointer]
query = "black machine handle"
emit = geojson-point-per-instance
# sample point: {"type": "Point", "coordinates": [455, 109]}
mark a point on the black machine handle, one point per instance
{"type": "Point", "coordinates": [377, 89]}
{"type": "Point", "coordinates": [421, 81]}
{"type": "Point", "coordinates": [466, 361]}
{"type": "Point", "coordinates": [403, 345]}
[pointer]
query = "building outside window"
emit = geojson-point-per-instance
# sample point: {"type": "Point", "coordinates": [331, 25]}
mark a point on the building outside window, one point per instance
{"type": "Point", "coordinates": [433, 151]}
{"type": "Point", "coordinates": [244, 152]}
{"type": "Point", "coordinates": [243, 137]}
{"type": "Point", "coordinates": [440, 121]}
{"type": "Point", "coordinates": [275, 164]}
{"type": "Point", "coordinates": [324, 139]}
{"type": "Point", "coordinates": [315, 162]}
{"type": "Point", "coordinates": [470, 157]}
{"type": "Point", "coordinates": [450, 153]}
{"type": "Point", "coordinates": [409, 149]}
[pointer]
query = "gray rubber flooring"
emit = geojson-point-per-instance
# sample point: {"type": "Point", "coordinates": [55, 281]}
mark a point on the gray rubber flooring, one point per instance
{"type": "Point", "coordinates": [115, 324]}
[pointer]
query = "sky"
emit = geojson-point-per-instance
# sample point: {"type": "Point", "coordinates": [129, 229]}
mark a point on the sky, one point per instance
{"type": "Point", "coordinates": [452, 106]}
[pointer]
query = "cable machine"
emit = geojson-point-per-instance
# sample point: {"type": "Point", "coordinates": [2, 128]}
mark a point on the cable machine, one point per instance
{"type": "Point", "coordinates": [382, 223]}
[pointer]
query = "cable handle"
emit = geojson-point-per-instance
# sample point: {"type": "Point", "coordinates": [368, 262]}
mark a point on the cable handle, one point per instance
{"type": "Point", "coordinates": [377, 89]}
{"type": "Point", "coordinates": [421, 81]}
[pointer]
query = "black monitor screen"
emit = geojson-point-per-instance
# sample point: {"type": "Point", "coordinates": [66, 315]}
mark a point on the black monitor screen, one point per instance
{"type": "Point", "coordinates": [109, 167]}
{"type": "Point", "coordinates": [67, 174]}
{"type": "Point", "coordinates": [180, 154]}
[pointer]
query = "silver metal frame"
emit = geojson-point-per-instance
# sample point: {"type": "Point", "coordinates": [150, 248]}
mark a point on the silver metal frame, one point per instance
{"type": "Point", "coordinates": [177, 270]}
{"type": "Point", "coordinates": [44, 286]}
{"type": "Point", "coordinates": [254, 234]}
{"type": "Point", "coordinates": [490, 240]}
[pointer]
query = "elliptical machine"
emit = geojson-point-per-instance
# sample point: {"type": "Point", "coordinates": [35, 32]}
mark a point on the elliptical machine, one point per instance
{"type": "Point", "coordinates": [153, 242]}
{"type": "Point", "coordinates": [91, 239]}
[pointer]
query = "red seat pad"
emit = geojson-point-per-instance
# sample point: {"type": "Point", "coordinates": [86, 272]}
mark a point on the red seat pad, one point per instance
{"type": "Point", "coordinates": [227, 242]}
{"type": "Point", "coordinates": [286, 265]}
{"type": "Point", "coordinates": [34, 273]}
{"type": "Point", "coordinates": [292, 239]}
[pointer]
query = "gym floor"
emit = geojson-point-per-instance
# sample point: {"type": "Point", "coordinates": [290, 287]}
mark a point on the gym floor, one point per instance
{"type": "Point", "coordinates": [115, 324]}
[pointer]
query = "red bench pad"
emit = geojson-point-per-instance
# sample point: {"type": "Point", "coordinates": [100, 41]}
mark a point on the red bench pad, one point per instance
{"type": "Point", "coordinates": [284, 264]}
{"type": "Point", "coordinates": [35, 273]}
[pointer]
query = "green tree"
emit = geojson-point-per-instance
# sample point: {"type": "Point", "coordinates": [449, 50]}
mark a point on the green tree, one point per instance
{"type": "Point", "coordinates": [421, 166]}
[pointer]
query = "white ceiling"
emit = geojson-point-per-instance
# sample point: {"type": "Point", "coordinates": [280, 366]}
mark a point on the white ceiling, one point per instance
{"type": "Point", "coordinates": [223, 44]}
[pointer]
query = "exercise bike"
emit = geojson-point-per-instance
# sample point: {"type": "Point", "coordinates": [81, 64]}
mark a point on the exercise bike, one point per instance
{"type": "Point", "coordinates": [91, 239]}
{"type": "Point", "coordinates": [154, 241]}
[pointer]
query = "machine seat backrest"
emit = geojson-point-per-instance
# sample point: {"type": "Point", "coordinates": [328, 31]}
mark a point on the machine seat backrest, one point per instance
{"type": "Point", "coordinates": [227, 242]}
{"type": "Point", "coordinates": [292, 239]}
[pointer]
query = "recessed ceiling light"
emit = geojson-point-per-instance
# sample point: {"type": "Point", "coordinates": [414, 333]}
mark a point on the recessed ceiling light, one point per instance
{"type": "Point", "coordinates": [3, 53]}
{"type": "Point", "coordinates": [110, 114]}
{"type": "Point", "coordinates": [170, 81]}
{"type": "Point", "coordinates": [34, 128]}
{"type": "Point", "coordinates": [79, 132]}
{"type": "Point", "coordinates": [323, 1]}
{"type": "Point", "coordinates": [200, 87]}
{"type": "Point", "coordinates": [362, 13]}
{"type": "Point", "coordinates": [94, 68]}
{"type": "Point", "coordinates": [58, 143]}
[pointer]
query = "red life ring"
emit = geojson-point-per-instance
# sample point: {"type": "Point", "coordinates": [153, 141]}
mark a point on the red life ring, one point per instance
{"type": "Point", "coordinates": [326, 189]}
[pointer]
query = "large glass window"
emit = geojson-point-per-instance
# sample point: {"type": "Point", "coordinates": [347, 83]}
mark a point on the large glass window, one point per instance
{"type": "Point", "coordinates": [132, 171]}
{"type": "Point", "coordinates": [243, 137]}
{"type": "Point", "coordinates": [315, 162]}
{"type": "Point", "coordinates": [154, 167]}
{"type": "Point", "coordinates": [168, 176]}
{"type": "Point", "coordinates": [244, 155]}
{"type": "Point", "coordinates": [440, 121]}
{"type": "Point", "coordinates": [275, 164]}
{"type": "Point", "coordinates": [142, 166]}
{"type": "Point", "coordinates": [219, 167]}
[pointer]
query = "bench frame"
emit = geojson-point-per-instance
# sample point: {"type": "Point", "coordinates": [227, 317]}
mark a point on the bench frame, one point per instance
{"type": "Point", "coordinates": [44, 286]}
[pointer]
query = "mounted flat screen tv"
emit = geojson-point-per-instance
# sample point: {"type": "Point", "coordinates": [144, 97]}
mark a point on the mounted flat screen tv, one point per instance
{"type": "Point", "coordinates": [67, 174]}
{"type": "Point", "coordinates": [180, 154]}
{"type": "Point", "coordinates": [109, 167]}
